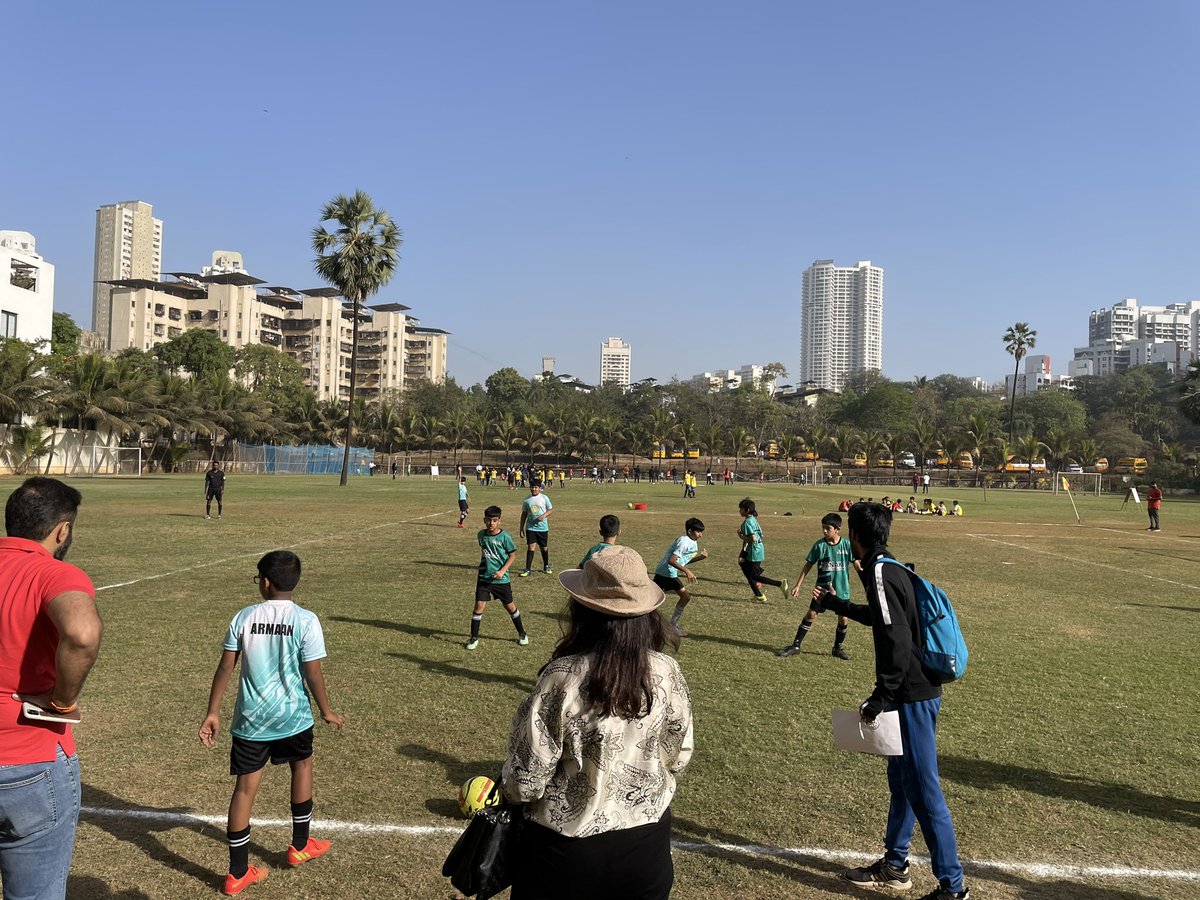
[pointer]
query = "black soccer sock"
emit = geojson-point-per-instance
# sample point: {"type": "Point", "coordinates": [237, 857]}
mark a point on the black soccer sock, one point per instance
{"type": "Point", "coordinates": [239, 851]}
{"type": "Point", "coordinates": [763, 579]}
{"type": "Point", "coordinates": [475, 620]}
{"type": "Point", "coordinates": [528, 559]}
{"type": "Point", "coordinates": [802, 632]}
{"type": "Point", "coordinates": [545, 559]}
{"type": "Point", "coordinates": [301, 817]}
{"type": "Point", "coordinates": [840, 637]}
{"type": "Point", "coordinates": [516, 617]}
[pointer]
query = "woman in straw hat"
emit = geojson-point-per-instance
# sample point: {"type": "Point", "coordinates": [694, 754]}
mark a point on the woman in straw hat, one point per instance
{"type": "Point", "coordinates": [595, 748]}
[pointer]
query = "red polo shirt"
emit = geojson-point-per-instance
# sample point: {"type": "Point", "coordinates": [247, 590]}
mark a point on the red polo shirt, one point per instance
{"type": "Point", "coordinates": [30, 577]}
{"type": "Point", "coordinates": [1153, 498]}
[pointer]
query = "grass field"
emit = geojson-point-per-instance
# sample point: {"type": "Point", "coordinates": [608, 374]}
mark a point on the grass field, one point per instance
{"type": "Point", "coordinates": [1072, 742]}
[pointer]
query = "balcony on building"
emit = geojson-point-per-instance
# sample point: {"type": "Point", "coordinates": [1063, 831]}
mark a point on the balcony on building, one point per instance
{"type": "Point", "coordinates": [174, 314]}
{"type": "Point", "coordinates": [271, 338]}
{"type": "Point", "coordinates": [296, 341]}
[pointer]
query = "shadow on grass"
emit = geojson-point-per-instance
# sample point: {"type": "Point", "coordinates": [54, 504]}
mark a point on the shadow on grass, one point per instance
{"type": "Point", "coordinates": [1192, 609]}
{"type": "Point", "coordinates": [979, 773]}
{"type": "Point", "coordinates": [446, 565]}
{"type": "Point", "coordinates": [457, 771]}
{"type": "Point", "coordinates": [812, 871]}
{"type": "Point", "coordinates": [729, 642]}
{"type": "Point", "coordinates": [85, 887]}
{"type": "Point", "coordinates": [141, 833]}
{"type": "Point", "coordinates": [415, 630]}
{"type": "Point", "coordinates": [524, 685]}
{"type": "Point", "coordinates": [1143, 550]}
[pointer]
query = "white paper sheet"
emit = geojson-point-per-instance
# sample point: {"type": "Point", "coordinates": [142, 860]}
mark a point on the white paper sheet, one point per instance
{"type": "Point", "coordinates": [881, 737]}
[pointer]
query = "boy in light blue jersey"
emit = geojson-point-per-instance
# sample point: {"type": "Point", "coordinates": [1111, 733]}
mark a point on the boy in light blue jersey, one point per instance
{"type": "Point", "coordinates": [674, 561]}
{"type": "Point", "coordinates": [281, 647]}
{"type": "Point", "coordinates": [534, 528]}
{"type": "Point", "coordinates": [462, 501]}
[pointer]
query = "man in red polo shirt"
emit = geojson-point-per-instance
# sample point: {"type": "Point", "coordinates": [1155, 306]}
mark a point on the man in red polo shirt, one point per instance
{"type": "Point", "coordinates": [1153, 502]}
{"type": "Point", "coordinates": [49, 637]}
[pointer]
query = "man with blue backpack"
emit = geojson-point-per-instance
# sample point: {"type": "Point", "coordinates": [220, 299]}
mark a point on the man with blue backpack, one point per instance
{"type": "Point", "coordinates": [909, 673]}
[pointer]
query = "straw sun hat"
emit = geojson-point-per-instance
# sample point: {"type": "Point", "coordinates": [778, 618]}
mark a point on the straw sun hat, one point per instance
{"type": "Point", "coordinates": [614, 581]}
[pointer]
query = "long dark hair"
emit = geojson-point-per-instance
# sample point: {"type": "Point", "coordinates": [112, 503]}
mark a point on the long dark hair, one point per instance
{"type": "Point", "coordinates": [619, 682]}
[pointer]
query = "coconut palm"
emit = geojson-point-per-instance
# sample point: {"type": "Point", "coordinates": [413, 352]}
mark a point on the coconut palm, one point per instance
{"type": "Point", "coordinates": [1018, 340]}
{"type": "Point", "coordinates": [479, 430]}
{"type": "Point", "coordinates": [1059, 445]}
{"type": "Point", "coordinates": [428, 434]}
{"type": "Point", "coordinates": [712, 439]}
{"type": "Point", "coordinates": [873, 442]}
{"type": "Point", "coordinates": [531, 434]}
{"type": "Point", "coordinates": [789, 446]}
{"type": "Point", "coordinates": [358, 258]}
{"type": "Point", "coordinates": [609, 429]}
{"type": "Point", "coordinates": [25, 445]}
{"type": "Point", "coordinates": [1088, 452]}
{"type": "Point", "coordinates": [843, 443]}
{"type": "Point", "coordinates": [741, 437]}
{"type": "Point", "coordinates": [924, 437]}
{"type": "Point", "coordinates": [1029, 449]}
{"type": "Point", "coordinates": [454, 427]}
{"type": "Point", "coordinates": [505, 431]}
{"type": "Point", "coordinates": [979, 430]}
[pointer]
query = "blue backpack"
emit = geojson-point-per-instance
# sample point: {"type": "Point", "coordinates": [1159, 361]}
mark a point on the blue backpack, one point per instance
{"type": "Point", "coordinates": [944, 657]}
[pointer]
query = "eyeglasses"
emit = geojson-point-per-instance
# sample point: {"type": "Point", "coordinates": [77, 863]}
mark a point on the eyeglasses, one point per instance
{"type": "Point", "coordinates": [257, 579]}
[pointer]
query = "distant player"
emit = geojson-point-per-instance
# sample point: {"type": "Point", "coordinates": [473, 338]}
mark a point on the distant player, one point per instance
{"type": "Point", "coordinates": [610, 530]}
{"type": "Point", "coordinates": [833, 558]}
{"type": "Point", "coordinates": [498, 553]}
{"type": "Point", "coordinates": [281, 647]}
{"type": "Point", "coordinates": [753, 554]}
{"type": "Point", "coordinates": [534, 528]}
{"type": "Point", "coordinates": [214, 489]}
{"type": "Point", "coordinates": [463, 503]}
{"type": "Point", "coordinates": [666, 574]}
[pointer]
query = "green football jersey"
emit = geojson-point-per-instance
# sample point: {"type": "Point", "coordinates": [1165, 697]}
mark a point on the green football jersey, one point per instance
{"type": "Point", "coordinates": [833, 562]}
{"type": "Point", "coordinates": [754, 547]}
{"type": "Point", "coordinates": [496, 549]}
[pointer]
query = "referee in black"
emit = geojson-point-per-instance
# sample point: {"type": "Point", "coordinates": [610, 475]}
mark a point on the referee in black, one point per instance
{"type": "Point", "coordinates": [214, 488]}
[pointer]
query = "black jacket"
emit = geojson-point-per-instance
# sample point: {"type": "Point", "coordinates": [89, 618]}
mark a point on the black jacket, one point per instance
{"type": "Point", "coordinates": [891, 614]}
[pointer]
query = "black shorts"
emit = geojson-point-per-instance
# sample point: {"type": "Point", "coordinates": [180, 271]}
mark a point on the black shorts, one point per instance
{"type": "Point", "coordinates": [541, 538]}
{"type": "Point", "coordinates": [214, 495]}
{"type": "Point", "coordinates": [491, 590]}
{"type": "Point", "coordinates": [667, 583]}
{"type": "Point", "coordinates": [247, 757]}
{"type": "Point", "coordinates": [462, 505]}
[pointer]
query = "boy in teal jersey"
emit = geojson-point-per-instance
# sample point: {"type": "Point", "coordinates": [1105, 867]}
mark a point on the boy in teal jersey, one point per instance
{"type": "Point", "coordinates": [281, 647]}
{"type": "Point", "coordinates": [610, 530]}
{"type": "Point", "coordinates": [753, 555]}
{"type": "Point", "coordinates": [833, 558]}
{"type": "Point", "coordinates": [674, 561]}
{"type": "Point", "coordinates": [462, 501]}
{"type": "Point", "coordinates": [534, 528]}
{"type": "Point", "coordinates": [497, 556]}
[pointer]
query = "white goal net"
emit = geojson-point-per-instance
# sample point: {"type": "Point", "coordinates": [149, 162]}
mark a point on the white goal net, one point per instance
{"type": "Point", "coordinates": [116, 461]}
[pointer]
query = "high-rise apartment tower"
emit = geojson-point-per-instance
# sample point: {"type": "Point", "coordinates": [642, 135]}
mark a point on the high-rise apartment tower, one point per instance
{"type": "Point", "coordinates": [616, 361]}
{"type": "Point", "coordinates": [841, 322]}
{"type": "Point", "coordinates": [128, 245]}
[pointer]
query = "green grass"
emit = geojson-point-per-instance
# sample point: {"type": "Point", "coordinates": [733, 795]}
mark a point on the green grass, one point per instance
{"type": "Point", "coordinates": [1071, 741]}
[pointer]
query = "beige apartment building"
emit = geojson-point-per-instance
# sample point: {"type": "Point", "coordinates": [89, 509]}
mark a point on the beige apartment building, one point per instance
{"type": "Point", "coordinates": [314, 327]}
{"type": "Point", "coordinates": [128, 246]}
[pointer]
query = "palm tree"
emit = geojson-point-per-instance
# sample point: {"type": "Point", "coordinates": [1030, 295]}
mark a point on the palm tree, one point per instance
{"type": "Point", "coordinates": [1089, 452]}
{"type": "Point", "coordinates": [789, 446]}
{"type": "Point", "coordinates": [873, 442]}
{"type": "Point", "coordinates": [1029, 448]}
{"type": "Point", "coordinates": [924, 437]}
{"type": "Point", "coordinates": [1059, 445]}
{"type": "Point", "coordinates": [843, 443]}
{"type": "Point", "coordinates": [1018, 340]}
{"type": "Point", "coordinates": [689, 436]}
{"type": "Point", "coordinates": [358, 258]}
{"type": "Point", "coordinates": [611, 435]}
{"type": "Point", "coordinates": [979, 430]}
{"type": "Point", "coordinates": [479, 429]}
{"type": "Point", "coordinates": [741, 438]}
{"type": "Point", "coordinates": [428, 433]}
{"type": "Point", "coordinates": [712, 439]}
{"type": "Point", "coordinates": [455, 427]}
{"type": "Point", "coordinates": [506, 434]}
{"type": "Point", "coordinates": [531, 434]}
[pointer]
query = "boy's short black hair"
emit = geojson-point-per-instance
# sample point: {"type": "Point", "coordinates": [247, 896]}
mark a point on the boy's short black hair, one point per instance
{"type": "Point", "coordinates": [748, 504]}
{"type": "Point", "coordinates": [870, 524]}
{"type": "Point", "coordinates": [831, 519]}
{"type": "Point", "coordinates": [38, 505]}
{"type": "Point", "coordinates": [693, 524]}
{"type": "Point", "coordinates": [610, 526]}
{"type": "Point", "coordinates": [281, 568]}
{"type": "Point", "coordinates": [536, 483]}
{"type": "Point", "coordinates": [492, 512]}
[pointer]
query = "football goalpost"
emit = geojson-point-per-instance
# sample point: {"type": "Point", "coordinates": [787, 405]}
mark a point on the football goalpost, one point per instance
{"type": "Point", "coordinates": [1081, 482]}
{"type": "Point", "coordinates": [115, 461]}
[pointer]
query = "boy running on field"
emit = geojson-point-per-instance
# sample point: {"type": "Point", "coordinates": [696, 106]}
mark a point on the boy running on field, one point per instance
{"type": "Point", "coordinates": [499, 552]}
{"type": "Point", "coordinates": [463, 503]}
{"type": "Point", "coordinates": [674, 561]}
{"type": "Point", "coordinates": [534, 528]}
{"type": "Point", "coordinates": [753, 555]}
{"type": "Point", "coordinates": [610, 530]}
{"type": "Point", "coordinates": [833, 558]}
{"type": "Point", "coordinates": [281, 646]}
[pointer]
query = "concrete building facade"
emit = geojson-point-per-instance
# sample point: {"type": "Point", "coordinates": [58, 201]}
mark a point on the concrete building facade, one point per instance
{"type": "Point", "coordinates": [26, 289]}
{"type": "Point", "coordinates": [616, 362]}
{"type": "Point", "coordinates": [128, 246]}
{"type": "Point", "coordinates": [1129, 334]}
{"type": "Point", "coordinates": [841, 322]}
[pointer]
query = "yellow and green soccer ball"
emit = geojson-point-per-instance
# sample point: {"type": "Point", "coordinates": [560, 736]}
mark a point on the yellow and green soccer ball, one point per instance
{"type": "Point", "coordinates": [476, 793]}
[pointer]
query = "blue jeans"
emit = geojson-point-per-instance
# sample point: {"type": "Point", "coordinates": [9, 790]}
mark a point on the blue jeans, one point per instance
{"type": "Point", "coordinates": [917, 795]}
{"type": "Point", "coordinates": [39, 809]}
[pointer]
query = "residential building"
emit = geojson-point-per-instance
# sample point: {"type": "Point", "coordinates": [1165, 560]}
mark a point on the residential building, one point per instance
{"type": "Point", "coordinates": [841, 322]}
{"type": "Point", "coordinates": [1129, 334]}
{"type": "Point", "coordinates": [26, 289]}
{"type": "Point", "coordinates": [616, 362]}
{"type": "Point", "coordinates": [315, 327]}
{"type": "Point", "coordinates": [1036, 377]}
{"type": "Point", "coordinates": [128, 246]}
{"type": "Point", "coordinates": [731, 379]}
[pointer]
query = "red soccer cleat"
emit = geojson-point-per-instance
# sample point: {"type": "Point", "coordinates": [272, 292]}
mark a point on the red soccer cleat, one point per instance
{"type": "Point", "coordinates": [312, 850]}
{"type": "Point", "coordinates": [237, 885]}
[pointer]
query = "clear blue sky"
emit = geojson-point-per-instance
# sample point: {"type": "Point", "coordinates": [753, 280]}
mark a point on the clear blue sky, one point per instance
{"type": "Point", "coordinates": [661, 171]}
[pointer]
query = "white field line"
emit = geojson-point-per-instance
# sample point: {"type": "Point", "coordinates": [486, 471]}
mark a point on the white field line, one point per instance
{"type": "Point", "coordinates": [1037, 870]}
{"type": "Point", "coordinates": [1084, 562]}
{"type": "Point", "coordinates": [317, 540]}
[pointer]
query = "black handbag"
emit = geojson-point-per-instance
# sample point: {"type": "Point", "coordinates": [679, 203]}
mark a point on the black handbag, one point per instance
{"type": "Point", "coordinates": [484, 857]}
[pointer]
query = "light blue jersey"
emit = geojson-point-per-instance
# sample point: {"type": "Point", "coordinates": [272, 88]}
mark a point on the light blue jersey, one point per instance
{"type": "Point", "coordinates": [685, 548]}
{"type": "Point", "coordinates": [535, 508]}
{"type": "Point", "coordinates": [462, 491]}
{"type": "Point", "coordinates": [276, 638]}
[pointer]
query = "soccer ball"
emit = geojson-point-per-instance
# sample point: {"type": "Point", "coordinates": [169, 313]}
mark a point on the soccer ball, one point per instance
{"type": "Point", "coordinates": [476, 793]}
{"type": "Point", "coordinates": [631, 506]}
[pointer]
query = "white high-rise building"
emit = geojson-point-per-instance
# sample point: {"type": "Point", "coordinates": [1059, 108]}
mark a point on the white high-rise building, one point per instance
{"type": "Point", "coordinates": [1129, 334]}
{"type": "Point", "coordinates": [128, 245]}
{"type": "Point", "coordinates": [26, 289]}
{"type": "Point", "coordinates": [841, 322]}
{"type": "Point", "coordinates": [616, 362]}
